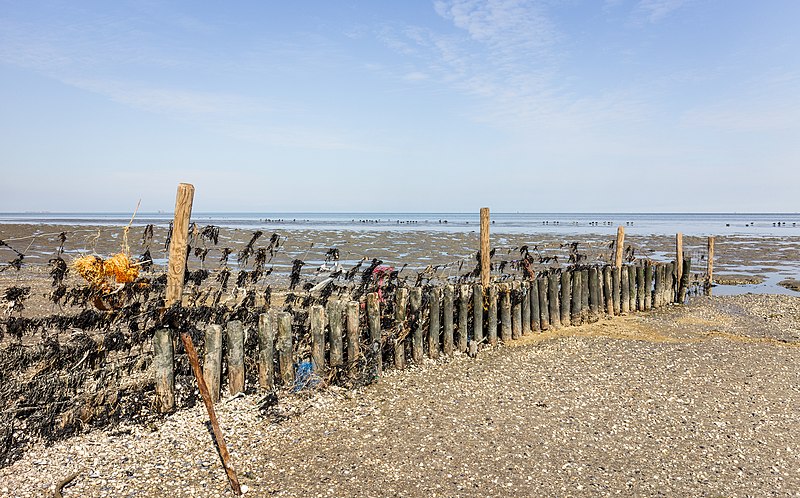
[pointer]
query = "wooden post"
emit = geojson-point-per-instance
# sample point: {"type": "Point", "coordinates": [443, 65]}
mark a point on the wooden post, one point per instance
{"type": "Point", "coordinates": [266, 348]}
{"type": "Point", "coordinates": [163, 354]}
{"type": "Point", "coordinates": [684, 283]}
{"type": "Point", "coordinates": [283, 345]}
{"type": "Point", "coordinates": [648, 285]}
{"type": "Point", "coordinates": [491, 330]}
{"type": "Point", "coordinates": [401, 326]}
{"type": "Point", "coordinates": [317, 319]}
{"type": "Point", "coordinates": [235, 331]}
{"type": "Point", "coordinates": [464, 297]}
{"type": "Point", "coordinates": [577, 290]}
{"type": "Point", "coordinates": [516, 311]}
{"type": "Point", "coordinates": [552, 291]}
{"type": "Point", "coordinates": [505, 313]}
{"type": "Point", "coordinates": [477, 313]}
{"type": "Point", "coordinates": [658, 287]}
{"type": "Point", "coordinates": [485, 249]}
{"type": "Point", "coordinates": [544, 304]}
{"type": "Point", "coordinates": [710, 263]}
{"type": "Point", "coordinates": [584, 295]}
{"type": "Point", "coordinates": [566, 297]}
{"type": "Point", "coordinates": [670, 291]}
{"type": "Point", "coordinates": [374, 324]}
{"type": "Point", "coordinates": [679, 255]}
{"type": "Point", "coordinates": [434, 322]}
{"type": "Point", "coordinates": [625, 291]}
{"type": "Point", "coordinates": [212, 415]}
{"type": "Point", "coordinates": [608, 289]}
{"type": "Point", "coordinates": [619, 246]}
{"type": "Point", "coordinates": [616, 290]}
{"type": "Point", "coordinates": [526, 307]}
{"type": "Point", "coordinates": [352, 319]}
{"type": "Point", "coordinates": [447, 320]}
{"type": "Point", "coordinates": [632, 288]}
{"type": "Point", "coordinates": [163, 346]}
{"type": "Point", "coordinates": [640, 288]}
{"type": "Point", "coordinates": [414, 308]}
{"type": "Point", "coordinates": [334, 312]}
{"type": "Point", "coordinates": [533, 295]}
{"type": "Point", "coordinates": [594, 294]}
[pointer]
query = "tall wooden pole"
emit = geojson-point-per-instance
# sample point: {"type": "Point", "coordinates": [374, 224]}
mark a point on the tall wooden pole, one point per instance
{"type": "Point", "coordinates": [620, 245]}
{"type": "Point", "coordinates": [485, 264]}
{"type": "Point", "coordinates": [679, 255]}
{"type": "Point", "coordinates": [163, 348]}
{"type": "Point", "coordinates": [710, 268]}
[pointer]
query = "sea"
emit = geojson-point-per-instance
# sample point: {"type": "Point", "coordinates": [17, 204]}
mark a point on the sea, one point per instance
{"type": "Point", "coordinates": [699, 224]}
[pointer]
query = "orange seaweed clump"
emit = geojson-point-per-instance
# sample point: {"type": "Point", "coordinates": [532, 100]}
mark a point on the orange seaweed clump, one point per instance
{"type": "Point", "coordinates": [106, 275]}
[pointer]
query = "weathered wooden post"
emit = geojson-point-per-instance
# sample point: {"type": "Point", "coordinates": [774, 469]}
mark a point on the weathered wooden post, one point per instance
{"type": "Point", "coordinates": [235, 333]}
{"type": "Point", "coordinates": [317, 319]}
{"type": "Point", "coordinates": [212, 363]}
{"type": "Point", "coordinates": [684, 282]}
{"type": "Point", "coordinates": [658, 287]}
{"type": "Point", "coordinates": [584, 295]}
{"type": "Point", "coordinates": [434, 322]}
{"type": "Point", "coordinates": [266, 348]}
{"type": "Point", "coordinates": [334, 312]}
{"type": "Point", "coordinates": [544, 304]}
{"type": "Point", "coordinates": [552, 298]}
{"type": "Point", "coordinates": [619, 246]}
{"type": "Point", "coordinates": [417, 334]}
{"type": "Point", "coordinates": [616, 289]}
{"type": "Point", "coordinates": [640, 288]}
{"type": "Point", "coordinates": [526, 307]}
{"type": "Point", "coordinates": [485, 249]}
{"type": "Point", "coordinates": [447, 320]}
{"type": "Point", "coordinates": [353, 327]}
{"type": "Point", "coordinates": [401, 327]}
{"type": "Point", "coordinates": [163, 347]}
{"type": "Point", "coordinates": [283, 345]}
{"type": "Point", "coordinates": [625, 291]}
{"type": "Point", "coordinates": [533, 295]}
{"type": "Point", "coordinates": [632, 287]}
{"type": "Point", "coordinates": [608, 291]}
{"type": "Point", "coordinates": [477, 312]}
{"type": "Point", "coordinates": [374, 325]}
{"type": "Point", "coordinates": [516, 311]}
{"type": "Point", "coordinates": [464, 298]}
{"type": "Point", "coordinates": [505, 313]}
{"type": "Point", "coordinates": [679, 256]}
{"type": "Point", "coordinates": [491, 330]}
{"type": "Point", "coordinates": [594, 294]}
{"type": "Point", "coordinates": [710, 265]}
{"type": "Point", "coordinates": [566, 297]}
{"type": "Point", "coordinates": [577, 288]}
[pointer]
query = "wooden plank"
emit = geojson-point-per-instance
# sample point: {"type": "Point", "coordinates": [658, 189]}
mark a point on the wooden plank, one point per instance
{"type": "Point", "coordinates": [317, 318]}
{"type": "Point", "coordinates": [235, 336]}
{"type": "Point", "coordinates": [334, 312]}
{"type": "Point", "coordinates": [485, 249]}
{"type": "Point", "coordinates": [283, 345]}
{"type": "Point", "coordinates": [374, 325]}
{"type": "Point", "coordinates": [353, 328]}
{"type": "Point", "coordinates": [447, 320]}
{"type": "Point", "coordinates": [266, 350]}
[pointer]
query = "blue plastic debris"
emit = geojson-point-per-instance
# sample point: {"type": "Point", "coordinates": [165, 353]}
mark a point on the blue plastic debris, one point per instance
{"type": "Point", "coordinates": [304, 377]}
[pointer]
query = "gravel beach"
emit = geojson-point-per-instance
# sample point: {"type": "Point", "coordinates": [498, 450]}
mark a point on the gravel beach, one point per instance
{"type": "Point", "coordinates": [698, 400]}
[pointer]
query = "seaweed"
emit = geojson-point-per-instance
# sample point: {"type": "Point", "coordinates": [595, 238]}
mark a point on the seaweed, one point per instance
{"type": "Point", "coordinates": [245, 253]}
{"type": "Point", "coordinates": [58, 271]}
{"type": "Point", "coordinates": [210, 233]}
{"type": "Point", "coordinates": [147, 236]}
{"type": "Point", "coordinates": [294, 278]}
{"type": "Point", "coordinates": [16, 296]}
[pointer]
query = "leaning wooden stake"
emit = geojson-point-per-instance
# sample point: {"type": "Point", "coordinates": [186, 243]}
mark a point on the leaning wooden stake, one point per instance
{"type": "Point", "coordinates": [620, 244]}
{"type": "Point", "coordinates": [212, 416]}
{"type": "Point", "coordinates": [485, 250]}
{"type": "Point", "coordinates": [176, 267]}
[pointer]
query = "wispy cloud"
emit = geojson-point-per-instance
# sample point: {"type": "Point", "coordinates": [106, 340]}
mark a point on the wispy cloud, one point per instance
{"type": "Point", "coordinates": [656, 10]}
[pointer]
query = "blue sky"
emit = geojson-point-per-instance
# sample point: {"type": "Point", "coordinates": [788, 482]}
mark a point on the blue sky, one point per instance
{"type": "Point", "coordinates": [445, 105]}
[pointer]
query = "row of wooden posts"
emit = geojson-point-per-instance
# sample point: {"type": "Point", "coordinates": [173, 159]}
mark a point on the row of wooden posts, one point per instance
{"type": "Point", "coordinates": [459, 318]}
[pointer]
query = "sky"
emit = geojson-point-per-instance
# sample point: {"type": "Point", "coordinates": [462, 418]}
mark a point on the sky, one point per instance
{"type": "Point", "coordinates": [401, 106]}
